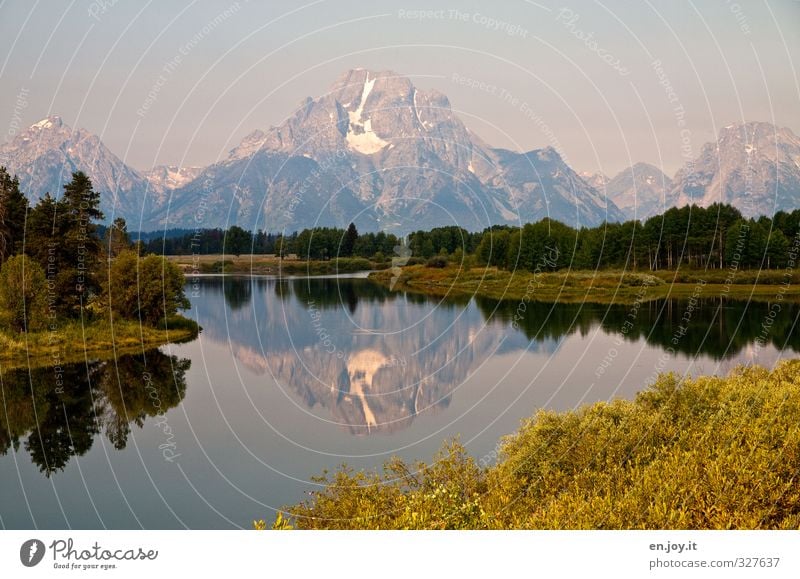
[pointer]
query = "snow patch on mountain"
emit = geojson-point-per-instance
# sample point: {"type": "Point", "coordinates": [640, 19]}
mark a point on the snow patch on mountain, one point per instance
{"type": "Point", "coordinates": [43, 124]}
{"type": "Point", "coordinates": [165, 177]}
{"type": "Point", "coordinates": [360, 136]}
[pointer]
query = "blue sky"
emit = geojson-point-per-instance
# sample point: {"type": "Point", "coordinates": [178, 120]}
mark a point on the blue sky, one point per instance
{"type": "Point", "coordinates": [607, 83]}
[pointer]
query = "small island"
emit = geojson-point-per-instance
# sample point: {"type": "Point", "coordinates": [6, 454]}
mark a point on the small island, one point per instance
{"type": "Point", "coordinates": [72, 290]}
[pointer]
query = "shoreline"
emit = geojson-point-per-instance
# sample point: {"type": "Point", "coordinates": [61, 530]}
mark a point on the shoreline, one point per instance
{"type": "Point", "coordinates": [97, 340]}
{"type": "Point", "coordinates": [598, 466]}
{"type": "Point", "coordinates": [574, 286]}
{"type": "Point", "coordinates": [194, 265]}
{"type": "Point", "coordinates": [364, 274]}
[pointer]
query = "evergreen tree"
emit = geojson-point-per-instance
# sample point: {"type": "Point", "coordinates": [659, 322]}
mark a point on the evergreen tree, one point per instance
{"type": "Point", "coordinates": [44, 231]}
{"type": "Point", "coordinates": [13, 212]}
{"type": "Point", "coordinates": [349, 241]}
{"type": "Point", "coordinates": [237, 241]}
{"type": "Point", "coordinates": [75, 250]}
{"type": "Point", "coordinates": [117, 239]}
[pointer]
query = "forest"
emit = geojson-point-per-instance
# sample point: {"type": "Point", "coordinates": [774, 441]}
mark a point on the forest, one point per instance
{"type": "Point", "coordinates": [59, 274]}
{"type": "Point", "coordinates": [714, 237]}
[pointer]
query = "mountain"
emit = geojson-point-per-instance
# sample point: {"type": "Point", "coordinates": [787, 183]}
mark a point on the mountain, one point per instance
{"type": "Point", "coordinates": [640, 191]}
{"type": "Point", "coordinates": [596, 180]}
{"type": "Point", "coordinates": [164, 178]}
{"type": "Point", "coordinates": [754, 166]}
{"type": "Point", "coordinates": [380, 152]}
{"type": "Point", "coordinates": [45, 155]}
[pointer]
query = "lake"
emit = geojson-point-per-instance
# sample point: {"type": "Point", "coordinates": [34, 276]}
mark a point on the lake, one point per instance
{"type": "Point", "coordinates": [291, 377]}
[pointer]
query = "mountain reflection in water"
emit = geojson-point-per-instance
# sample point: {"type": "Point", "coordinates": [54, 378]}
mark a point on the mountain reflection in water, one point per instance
{"type": "Point", "coordinates": [374, 359]}
{"type": "Point", "coordinates": [292, 377]}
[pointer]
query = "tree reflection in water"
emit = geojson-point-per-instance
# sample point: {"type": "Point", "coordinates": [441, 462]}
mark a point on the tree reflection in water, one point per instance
{"type": "Point", "coordinates": [55, 413]}
{"type": "Point", "coordinates": [375, 359]}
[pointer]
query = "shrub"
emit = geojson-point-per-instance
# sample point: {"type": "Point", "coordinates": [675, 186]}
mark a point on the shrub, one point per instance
{"type": "Point", "coordinates": [216, 267]}
{"type": "Point", "coordinates": [149, 289]}
{"type": "Point", "coordinates": [352, 264]}
{"type": "Point", "coordinates": [23, 288]}
{"type": "Point", "coordinates": [438, 261]}
{"type": "Point", "coordinates": [707, 453]}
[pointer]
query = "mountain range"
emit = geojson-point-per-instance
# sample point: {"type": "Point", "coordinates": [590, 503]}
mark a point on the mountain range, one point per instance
{"type": "Point", "coordinates": [379, 152]}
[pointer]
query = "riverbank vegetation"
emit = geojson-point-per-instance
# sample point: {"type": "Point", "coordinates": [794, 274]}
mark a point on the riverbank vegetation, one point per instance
{"type": "Point", "coordinates": [703, 453]}
{"type": "Point", "coordinates": [253, 264]}
{"type": "Point", "coordinates": [318, 244]}
{"type": "Point", "coordinates": [604, 286]}
{"type": "Point", "coordinates": [714, 238]}
{"type": "Point", "coordinates": [734, 256]}
{"type": "Point", "coordinates": [717, 237]}
{"type": "Point", "coordinates": [65, 291]}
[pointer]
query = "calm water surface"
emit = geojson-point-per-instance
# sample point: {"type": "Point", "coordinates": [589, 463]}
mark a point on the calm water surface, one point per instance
{"type": "Point", "coordinates": [290, 377]}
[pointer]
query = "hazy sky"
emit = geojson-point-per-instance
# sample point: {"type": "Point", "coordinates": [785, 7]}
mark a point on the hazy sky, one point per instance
{"type": "Point", "coordinates": [606, 83]}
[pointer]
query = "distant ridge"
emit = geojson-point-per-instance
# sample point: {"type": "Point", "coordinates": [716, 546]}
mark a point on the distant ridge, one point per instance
{"type": "Point", "coordinates": [386, 155]}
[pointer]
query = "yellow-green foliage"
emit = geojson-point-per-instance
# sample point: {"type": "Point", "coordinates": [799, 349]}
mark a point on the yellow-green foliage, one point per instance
{"type": "Point", "coordinates": [705, 453]}
{"type": "Point", "coordinates": [579, 286]}
{"type": "Point", "coordinates": [149, 289]}
{"type": "Point", "coordinates": [75, 341]}
{"type": "Point", "coordinates": [23, 303]}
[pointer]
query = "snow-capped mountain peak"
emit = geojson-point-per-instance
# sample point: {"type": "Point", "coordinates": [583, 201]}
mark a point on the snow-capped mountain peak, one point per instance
{"type": "Point", "coordinates": [45, 155]}
{"type": "Point", "coordinates": [752, 166]}
{"type": "Point", "coordinates": [380, 151]}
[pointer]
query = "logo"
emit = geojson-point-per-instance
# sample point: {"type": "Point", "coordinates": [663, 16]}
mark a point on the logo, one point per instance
{"type": "Point", "coordinates": [31, 553]}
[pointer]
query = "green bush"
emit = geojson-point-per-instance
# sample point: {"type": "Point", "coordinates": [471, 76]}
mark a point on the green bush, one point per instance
{"type": "Point", "coordinates": [705, 453]}
{"type": "Point", "coordinates": [352, 264]}
{"type": "Point", "coordinates": [216, 267]}
{"type": "Point", "coordinates": [23, 294]}
{"type": "Point", "coordinates": [439, 261]}
{"type": "Point", "coordinates": [149, 289]}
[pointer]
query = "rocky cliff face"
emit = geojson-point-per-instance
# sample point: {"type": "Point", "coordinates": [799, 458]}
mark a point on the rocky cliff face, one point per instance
{"type": "Point", "coordinates": [167, 177]}
{"type": "Point", "coordinates": [378, 151]}
{"type": "Point", "coordinates": [45, 155]}
{"type": "Point", "coordinates": [596, 180]}
{"type": "Point", "coordinates": [640, 191]}
{"type": "Point", "coordinates": [753, 166]}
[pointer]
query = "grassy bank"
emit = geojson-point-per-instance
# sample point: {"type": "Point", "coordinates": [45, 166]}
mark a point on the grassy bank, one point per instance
{"type": "Point", "coordinates": [73, 342]}
{"type": "Point", "coordinates": [263, 265]}
{"type": "Point", "coordinates": [705, 453]}
{"type": "Point", "coordinates": [590, 286]}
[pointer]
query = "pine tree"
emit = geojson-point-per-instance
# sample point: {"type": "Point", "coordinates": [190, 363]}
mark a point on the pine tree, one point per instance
{"type": "Point", "coordinates": [117, 239]}
{"type": "Point", "coordinates": [13, 213]}
{"type": "Point", "coordinates": [238, 241]}
{"type": "Point", "coordinates": [64, 241]}
{"type": "Point", "coordinates": [43, 230]}
{"type": "Point", "coordinates": [349, 241]}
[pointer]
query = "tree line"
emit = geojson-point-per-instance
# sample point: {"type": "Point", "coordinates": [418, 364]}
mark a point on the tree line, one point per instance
{"type": "Point", "coordinates": [318, 243]}
{"type": "Point", "coordinates": [714, 237]}
{"type": "Point", "coordinates": [56, 266]}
